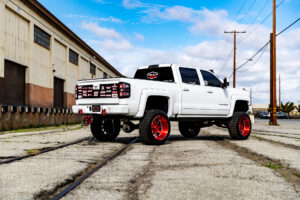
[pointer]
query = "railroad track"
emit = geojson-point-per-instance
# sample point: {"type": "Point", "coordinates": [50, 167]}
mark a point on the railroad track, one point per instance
{"type": "Point", "coordinates": [45, 150]}
{"type": "Point", "coordinates": [77, 182]}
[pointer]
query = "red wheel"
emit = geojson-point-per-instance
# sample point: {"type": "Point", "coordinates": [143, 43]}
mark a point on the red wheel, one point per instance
{"type": "Point", "coordinates": [244, 126]}
{"type": "Point", "coordinates": [155, 127]}
{"type": "Point", "coordinates": [159, 127]}
{"type": "Point", "coordinates": [239, 126]}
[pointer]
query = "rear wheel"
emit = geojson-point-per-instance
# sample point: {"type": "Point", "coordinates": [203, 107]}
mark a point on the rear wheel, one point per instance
{"type": "Point", "coordinates": [189, 129]}
{"type": "Point", "coordinates": [155, 127]}
{"type": "Point", "coordinates": [239, 126]}
{"type": "Point", "coordinates": [105, 129]}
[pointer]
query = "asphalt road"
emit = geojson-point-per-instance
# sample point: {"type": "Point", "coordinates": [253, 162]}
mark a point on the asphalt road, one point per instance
{"type": "Point", "coordinates": [211, 166]}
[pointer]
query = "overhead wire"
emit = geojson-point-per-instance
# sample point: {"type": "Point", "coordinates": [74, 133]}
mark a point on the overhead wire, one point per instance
{"type": "Point", "coordinates": [260, 11]}
{"type": "Point", "coordinates": [263, 47]}
{"type": "Point", "coordinates": [236, 15]}
{"type": "Point", "coordinates": [251, 6]}
{"type": "Point", "coordinates": [261, 23]}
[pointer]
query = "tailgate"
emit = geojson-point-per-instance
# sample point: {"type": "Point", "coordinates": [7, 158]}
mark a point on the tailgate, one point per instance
{"type": "Point", "coordinates": [99, 92]}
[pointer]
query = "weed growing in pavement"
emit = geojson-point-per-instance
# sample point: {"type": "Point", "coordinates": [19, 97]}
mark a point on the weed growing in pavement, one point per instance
{"type": "Point", "coordinates": [32, 151]}
{"type": "Point", "coordinates": [273, 166]}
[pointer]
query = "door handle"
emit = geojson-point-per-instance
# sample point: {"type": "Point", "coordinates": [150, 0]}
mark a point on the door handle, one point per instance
{"type": "Point", "coordinates": [210, 92]}
{"type": "Point", "coordinates": [186, 90]}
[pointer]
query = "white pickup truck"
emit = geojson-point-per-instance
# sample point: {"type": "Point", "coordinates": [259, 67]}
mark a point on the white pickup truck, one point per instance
{"type": "Point", "coordinates": [157, 94]}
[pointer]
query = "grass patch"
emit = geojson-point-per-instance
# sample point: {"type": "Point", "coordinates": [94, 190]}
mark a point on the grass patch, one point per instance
{"type": "Point", "coordinates": [39, 128]}
{"type": "Point", "coordinates": [273, 165]}
{"type": "Point", "coordinates": [32, 151]}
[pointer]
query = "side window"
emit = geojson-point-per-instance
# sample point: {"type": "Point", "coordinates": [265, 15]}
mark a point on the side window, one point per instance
{"type": "Point", "coordinates": [189, 76]}
{"type": "Point", "coordinates": [211, 79]}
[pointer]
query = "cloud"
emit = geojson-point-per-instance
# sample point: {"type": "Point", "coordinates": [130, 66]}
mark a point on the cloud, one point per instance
{"type": "Point", "coordinates": [100, 31]}
{"type": "Point", "coordinates": [116, 45]}
{"type": "Point", "coordinates": [210, 54]}
{"type": "Point", "coordinates": [132, 4]}
{"type": "Point", "coordinates": [100, 19]}
{"type": "Point", "coordinates": [138, 36]}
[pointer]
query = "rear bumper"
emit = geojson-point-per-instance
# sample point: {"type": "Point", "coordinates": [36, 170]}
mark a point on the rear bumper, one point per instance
{"type": "Point", "coordinates": [110, 109]}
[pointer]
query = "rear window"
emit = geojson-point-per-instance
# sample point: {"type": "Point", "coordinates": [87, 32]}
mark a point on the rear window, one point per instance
{"type": "Point", "coordinates": [156, 74]}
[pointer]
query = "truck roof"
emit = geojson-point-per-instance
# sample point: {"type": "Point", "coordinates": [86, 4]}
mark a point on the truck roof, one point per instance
{"type": "Point", "coordinates": [169, 65]}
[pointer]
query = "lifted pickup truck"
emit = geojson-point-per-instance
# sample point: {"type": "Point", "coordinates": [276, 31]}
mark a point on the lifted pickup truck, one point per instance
{"type": "Point", "coordinates": [194, 97]}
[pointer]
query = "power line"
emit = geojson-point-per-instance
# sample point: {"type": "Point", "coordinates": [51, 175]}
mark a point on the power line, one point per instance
{"type": "Point", "coordinates": [251, 6]}
{"type": "Point", "coordinates": [235, 17]}
{"type": "Point", "coordinates": [237, 14]}
{"type": "Point", "coordinates": [225, 62]}
{"type": "Point", "coordinates": [262, 48]}
{"type": "Point", "coordinates": [255, 29]}
{"type": "Point", "coordinates": [260, 11]}
{"type": "Point", "coordinates": [289, 26]}
{"type": "Point", "coordinates": [256, 61]}
{"type": "Point", "coordinates": [261, 23]}
{"type": "Point", "coordinates": [250, 59]}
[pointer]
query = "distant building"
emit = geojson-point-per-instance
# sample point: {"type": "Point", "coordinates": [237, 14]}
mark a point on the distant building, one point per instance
{"type": "Point", "coordinates": [41, 59]}
{"type": "Point", "coordinates": [259, 107]}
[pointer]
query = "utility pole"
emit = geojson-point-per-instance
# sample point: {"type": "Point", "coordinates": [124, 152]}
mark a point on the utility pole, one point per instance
{"type": "Point", "coordinates": [271, 79]}
{"type": "Point", "coordinates": [279, 94]}
{"type": "Point", "coordinates": [274, 109]}
{"type": "Point", "coordinates": [234, 52]}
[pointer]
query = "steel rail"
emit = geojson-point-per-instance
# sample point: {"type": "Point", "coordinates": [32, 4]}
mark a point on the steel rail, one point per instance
{"type": "Point", "coordinates": [43, 151]}
{"type": "Point", "coordinates": [92, 171]}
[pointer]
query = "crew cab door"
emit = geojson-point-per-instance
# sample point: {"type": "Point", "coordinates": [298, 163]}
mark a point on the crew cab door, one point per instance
{"type": "Point", "coordinates": [217, 97]}
{"type": "Point", "coordinates": [192, 100]}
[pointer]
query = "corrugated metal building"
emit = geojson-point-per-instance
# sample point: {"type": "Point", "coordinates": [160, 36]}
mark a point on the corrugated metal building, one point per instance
{"type": "Point", "coordinates": [41, 59]}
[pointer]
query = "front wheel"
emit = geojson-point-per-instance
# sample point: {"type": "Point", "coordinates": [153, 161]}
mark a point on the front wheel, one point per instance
{"type": "Point", "coordinates": [155, 127]}
{"type": "Point", "coordinates": [189, 129]}
{"type": "Point", "coordinates": [239, 126]}
{"type": "Point", "coordinates": [105, 129]}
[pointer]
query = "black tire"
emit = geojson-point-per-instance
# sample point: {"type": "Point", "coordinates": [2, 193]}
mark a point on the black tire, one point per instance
{"type": "Point", "coordinates": [148, 125]}
{"type": "Point", "coordinates": [105, 129]}
{"type": "Point", "coordinates": [237, 133]}
{"type": "Point", "coordinates": [189, 129]}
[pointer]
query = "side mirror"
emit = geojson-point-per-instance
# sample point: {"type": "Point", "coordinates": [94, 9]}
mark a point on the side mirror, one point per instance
{"type": "Point", "coordinates": [225, 83]}
{"type": "Point", "coordinates": [206, 83]}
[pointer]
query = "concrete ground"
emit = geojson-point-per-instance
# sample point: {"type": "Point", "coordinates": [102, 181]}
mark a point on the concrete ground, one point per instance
{"type": "Point", "coordinates": [211, 166]}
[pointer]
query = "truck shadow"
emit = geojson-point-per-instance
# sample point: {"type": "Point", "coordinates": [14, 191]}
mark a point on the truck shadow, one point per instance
{"type": "Point", "coordinates": [174, 138]}
{"type": "Point", "coordinates": [171, 139]}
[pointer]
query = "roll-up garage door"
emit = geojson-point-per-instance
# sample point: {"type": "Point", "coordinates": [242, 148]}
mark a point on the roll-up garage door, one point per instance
{"type": "Point", "coordinates": [14, 84]}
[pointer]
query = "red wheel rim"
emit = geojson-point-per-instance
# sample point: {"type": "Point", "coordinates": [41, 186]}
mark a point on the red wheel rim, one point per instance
{"type": "Point", "coordinates": [244, 126]}
{"type": "Point", "coordinates": [159, 127]}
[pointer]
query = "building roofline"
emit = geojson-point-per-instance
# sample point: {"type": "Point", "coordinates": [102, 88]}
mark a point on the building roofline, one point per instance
{"type": "Point", "coordinates": [45, 13]}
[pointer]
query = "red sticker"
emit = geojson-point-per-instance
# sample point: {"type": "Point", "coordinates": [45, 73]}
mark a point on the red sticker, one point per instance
{"type": "Point", "coordinates": [152, 75]}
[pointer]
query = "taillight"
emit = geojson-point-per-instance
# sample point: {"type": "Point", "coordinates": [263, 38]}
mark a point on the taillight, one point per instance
{"type": "Point", "coordinates": [78, 92]}
{"type": "Point", "coordinates": [124, 90]}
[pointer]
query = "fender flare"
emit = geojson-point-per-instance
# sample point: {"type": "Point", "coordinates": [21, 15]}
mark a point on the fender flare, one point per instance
{"type": "Point", "coordinates": [234, 99]}
{"type": "Point", "coordinates": [146, 93]}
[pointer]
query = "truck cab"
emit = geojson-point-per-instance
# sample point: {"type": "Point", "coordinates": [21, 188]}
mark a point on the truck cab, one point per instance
{"type": "Point", "coordinates": [192, 96]}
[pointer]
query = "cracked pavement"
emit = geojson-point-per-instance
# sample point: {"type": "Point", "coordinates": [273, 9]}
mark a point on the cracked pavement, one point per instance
{"type": "Point", "coordinates": [200, 168]}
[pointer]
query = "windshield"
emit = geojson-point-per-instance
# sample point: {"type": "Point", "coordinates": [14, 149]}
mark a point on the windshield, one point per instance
{"type": "Point", "coordinates": [156, 74]}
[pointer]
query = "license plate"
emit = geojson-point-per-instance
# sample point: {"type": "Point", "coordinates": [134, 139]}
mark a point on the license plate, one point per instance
{"type": "Point", "coordinates": [96, 108]}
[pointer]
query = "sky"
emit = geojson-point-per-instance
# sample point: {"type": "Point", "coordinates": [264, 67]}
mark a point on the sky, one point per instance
{"type": "Point", "coordinates": [134, 33]}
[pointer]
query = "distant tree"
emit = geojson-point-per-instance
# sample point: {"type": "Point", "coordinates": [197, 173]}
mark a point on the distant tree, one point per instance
{"type": "Point", "coordinates": [298, 108]}
{"type": "Point", "coordinates": [288, 107]}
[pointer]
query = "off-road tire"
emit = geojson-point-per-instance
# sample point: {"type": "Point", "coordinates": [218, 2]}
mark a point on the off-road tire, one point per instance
{"type": "Point", "coordinates": [234, 126]}
{"type": "Point", "coordinates": [105, 129]}
{"type": "Point", "coordinates": [189, 129]}
{"type": "Point", "coordinates": [146, 128]}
